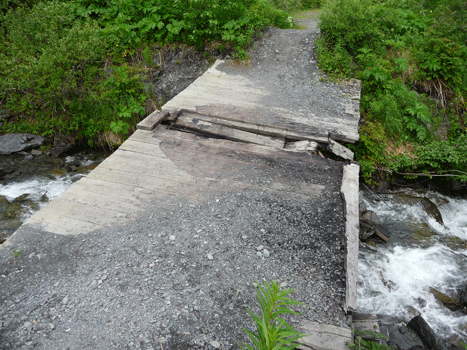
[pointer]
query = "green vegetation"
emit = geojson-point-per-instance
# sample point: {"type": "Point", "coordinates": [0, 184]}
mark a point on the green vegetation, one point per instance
{"type": "Point", "coordinates": [79, 66]}
{"type": "Point", "coordinates": [272, 331]}
{"type": "Point", "coordinates": [412, 60]}
{"type": "Point", "coordinates": [376, 344]}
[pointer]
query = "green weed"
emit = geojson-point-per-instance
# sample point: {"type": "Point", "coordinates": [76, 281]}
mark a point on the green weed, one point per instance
{"type": "Point", "coordinates": [272, 331]}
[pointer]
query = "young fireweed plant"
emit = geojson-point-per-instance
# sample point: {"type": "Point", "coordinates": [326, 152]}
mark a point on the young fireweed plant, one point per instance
{"type": "Point", "coordinates": [272, 331]}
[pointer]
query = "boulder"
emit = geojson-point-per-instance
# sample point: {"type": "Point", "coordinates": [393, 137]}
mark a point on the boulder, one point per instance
{"type": "Point", "coordinates": [450, 303]}
{"type": "Point", "coordinates": [62, 144]}
{"type": "Point", "coordinates": [425, 333]}
{"type": "Point", "coordinates": [463, 295]}
{"type": "Point", "coordinates": [371, 216]}
{"type": "Point", "coordinates": [14, 143]}
{"type": "Point", "coordinates": [432, 210]}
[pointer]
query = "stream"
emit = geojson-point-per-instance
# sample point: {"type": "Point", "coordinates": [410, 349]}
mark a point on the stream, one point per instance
{"type": "Point", "coordinates": [395, 278]}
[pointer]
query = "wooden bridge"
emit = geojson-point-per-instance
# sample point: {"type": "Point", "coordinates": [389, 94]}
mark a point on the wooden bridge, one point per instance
{"type": "Point", "coordinates": [224, 125]}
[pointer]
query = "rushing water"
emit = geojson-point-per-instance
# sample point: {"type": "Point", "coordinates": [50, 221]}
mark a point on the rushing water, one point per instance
{"type": "Point", "coordinates": [21, 197]}
{"type": "Point", "coordinates": [395, 279]}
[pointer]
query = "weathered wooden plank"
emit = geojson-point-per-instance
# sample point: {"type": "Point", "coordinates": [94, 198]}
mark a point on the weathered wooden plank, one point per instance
{"type": "Point", "coordinates": [140, 163]}
{"type": "Point", "coordinates": [349, 190]}
{"type": "Point", "coordinates": [102, 200]}
{"type": "Point", "coordinates": [340, 150]}
{"type": "Point", "coordinates": [152, 121]}
{"type": "Point", "coordinates": [123, 192]}
{"type": "Point", "coordinates": [280, 119]}
{"type": "Point", "coordinates": [227, 132]}
{"type": "Point", "coordinates": [142, 147]}
{"type": "Point", "coordinates": [324, 337]}
{"type": "Point", "coordinates": [62, 225]}
{"type": "Point", "coordinates": [143, 180]}
{"type": "Point", "coordinates": [365, 322]}
{"type": "Point", "coordinates": [144, 136]}
{"type": "Point", "coordinates": [302, 146]}
{"type": "Point", "coordinates": [86, 213]}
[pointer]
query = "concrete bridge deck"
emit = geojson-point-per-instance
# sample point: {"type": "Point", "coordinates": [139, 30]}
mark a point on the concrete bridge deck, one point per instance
{"type": "Point", "coordinates": [159, 246]}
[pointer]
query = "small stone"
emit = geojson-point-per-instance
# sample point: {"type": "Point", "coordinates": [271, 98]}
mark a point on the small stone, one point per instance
{"type": "Point", "coordinates": [215, 344]}
{"type": "Point", "coordinates": [266, 253]}
{"type": "Point", "coordinates": [36, 152]}
{"type": "Point", "coordinates": [27, 325]}
{"type": "Point", "coordinates": [65, 300]}
{"type": "Point", "coordinates": [51, 326]}
{"type": "Point", "coordinates": [172, 237]}
{"type": "Point", "coordinates": [30, 256]}
{"type": "Point", "coordinates": [93, 284]}
{"type": "Point", "coordinates": [209, 256]}
{"type": "Point", "coordinates": [244, 237]}
{"type": "Point", "coordinates": [259, 254]}
{"type": "Point", "coordinates": [260, 247]}
{"type": "Point", "coordinates": [24, 318]}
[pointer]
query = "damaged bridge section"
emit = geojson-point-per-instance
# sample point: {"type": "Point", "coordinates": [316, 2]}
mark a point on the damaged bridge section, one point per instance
{"type": "Point", "coordinates": [242, 177]}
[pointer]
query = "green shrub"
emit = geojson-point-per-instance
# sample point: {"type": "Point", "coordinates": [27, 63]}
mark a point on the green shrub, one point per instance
{"type": "Point", "coordinates": [53, 77]}
{"type": "Point", "coordinates": [412, 60]}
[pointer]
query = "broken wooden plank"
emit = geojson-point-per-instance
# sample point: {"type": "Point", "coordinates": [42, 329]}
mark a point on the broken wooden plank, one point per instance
{"type": "Point", "coordinates": [324, 337]}
{"type": "Point", "coordinates": [301, 146]}
{"type": "Point", "coordinates": [340, 150]}
{"type": "Point", "coordinates": [349, 190]}
{"type": "Point", "coordinates": [152, 121]}
{"type": "Point", "coordinates": [227, 132]}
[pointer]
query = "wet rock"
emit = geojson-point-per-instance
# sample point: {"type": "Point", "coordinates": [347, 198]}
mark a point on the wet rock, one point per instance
{"type": "Point", "coordinates": [450, 303]}
{"type": "Point", "coordinates": [12, 211]}
{"type": "Point", "coordinates": [371, 216]}
{"type": "Point", "coordinates": [3, 203]}
{"type": "Point", "coordinates": [21, 199]}
{"type": "Point", "coordinates": [5, 171]}
{"type": "Point", "coordinates": [425, 333]}
{"type": "Point", "coordinates": [62, 144]}
{"type": "Point", "coordinates": [400, 336]}
{"type": "Point", "coordinates": [14, 143]}
{"type": "Point", "coordinates": [432, 210]}
{"type": "Point", "coordinates": [428, 206]}
{"type": "Point", "coordinates": [463, 295]}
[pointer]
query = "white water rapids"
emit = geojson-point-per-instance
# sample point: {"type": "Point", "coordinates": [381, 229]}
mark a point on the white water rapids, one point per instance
{"type": "Point", "coordinates": [396, 279]}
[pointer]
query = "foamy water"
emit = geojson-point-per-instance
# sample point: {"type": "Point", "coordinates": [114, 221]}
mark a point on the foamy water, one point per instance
{"type": "Point", "coordinates": [37, 187]}
{"type": "Point", "coordinates": [396, 279]}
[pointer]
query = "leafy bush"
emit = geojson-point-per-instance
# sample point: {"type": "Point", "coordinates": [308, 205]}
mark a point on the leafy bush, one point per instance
{"type": "Point", "coordinates": [53, 77]}
{"type": "Point", "coordinates": [412, 60]}
{"type": "Point", "coordinates": [132, 22]}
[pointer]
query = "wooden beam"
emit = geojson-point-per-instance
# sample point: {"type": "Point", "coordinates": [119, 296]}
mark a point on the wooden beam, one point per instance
{"type": "Point", "coordinates": [349, 190]}
{"type": "Point", "coordinates": [227, 132]}
{"type": "Point", "coordinates": [324, 337]}
{"type": "Point", "coordinates": [152, 121]}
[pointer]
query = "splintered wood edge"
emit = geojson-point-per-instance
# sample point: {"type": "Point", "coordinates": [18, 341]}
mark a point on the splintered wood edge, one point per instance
{"type": "Point", "coordinates": [349, 190]}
